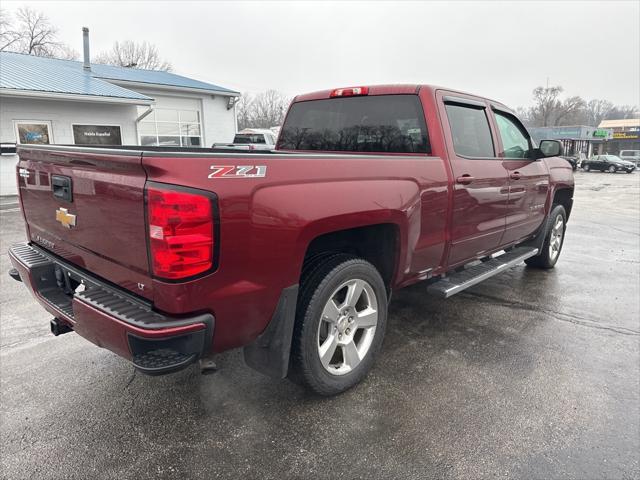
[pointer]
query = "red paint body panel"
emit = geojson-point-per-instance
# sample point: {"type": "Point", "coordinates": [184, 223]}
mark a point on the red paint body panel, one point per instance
{"type": "Point", "coordinates": [267, 223]}
{"type": "Point", "coordinates": [110, 235]}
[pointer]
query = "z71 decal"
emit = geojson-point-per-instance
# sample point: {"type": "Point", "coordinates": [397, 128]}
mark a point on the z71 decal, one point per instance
{"type": "Point", "coordinates": [239, 171]}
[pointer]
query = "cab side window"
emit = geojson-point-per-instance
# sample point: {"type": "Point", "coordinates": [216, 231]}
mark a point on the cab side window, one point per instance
{"type": "Point", "coordinates": [515, 142]}
{"type": "Point", "coordinates": [470, 131]}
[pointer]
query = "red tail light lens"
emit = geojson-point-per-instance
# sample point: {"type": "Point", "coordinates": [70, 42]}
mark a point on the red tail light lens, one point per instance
{"type": "Point", "coordinates": [181, 232]}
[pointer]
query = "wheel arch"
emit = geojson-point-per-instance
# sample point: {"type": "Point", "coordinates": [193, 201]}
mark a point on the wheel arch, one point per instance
{"type": "Point", "coordinates": [564, 196]}
{"type": "Point", "coordinates": [379, 244]}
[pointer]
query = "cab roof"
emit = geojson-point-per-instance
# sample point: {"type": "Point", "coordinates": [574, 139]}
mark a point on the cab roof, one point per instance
{"type": "Point", "coordinates": [392, 89]}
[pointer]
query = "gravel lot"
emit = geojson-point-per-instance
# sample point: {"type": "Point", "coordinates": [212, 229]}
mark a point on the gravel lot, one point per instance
{"type": "Point", "coordinates": [532, 374]}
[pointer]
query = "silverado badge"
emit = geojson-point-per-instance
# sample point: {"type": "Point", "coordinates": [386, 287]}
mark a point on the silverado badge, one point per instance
{"type": "Point", "coordinates": [65, 218]}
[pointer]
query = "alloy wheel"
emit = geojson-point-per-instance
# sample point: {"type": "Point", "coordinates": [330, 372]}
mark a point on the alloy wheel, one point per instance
{"type": "Point", "coordinates": [347, 326]}
{"type": "Point", "coordinates": [555, 241]}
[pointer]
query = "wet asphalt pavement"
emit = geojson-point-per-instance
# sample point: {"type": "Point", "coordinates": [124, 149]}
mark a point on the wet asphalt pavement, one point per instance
{"type": "Point", "coordinates": [532, 374]}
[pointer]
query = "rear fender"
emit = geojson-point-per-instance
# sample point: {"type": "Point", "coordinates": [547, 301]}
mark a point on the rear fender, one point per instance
{"type": "Point", "coordinates": [312, 210]}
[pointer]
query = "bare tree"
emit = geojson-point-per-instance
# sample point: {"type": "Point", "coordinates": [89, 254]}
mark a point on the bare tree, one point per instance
{"type": "Point", "coordinates": [33, 34]}
{"type": "Point", "coordinates": [596, 111]}
{"type": "Point", "coordinates": [134, 55]}
{"type": "Point", "coordinates": [623, 112]}
{"type": "Point", "coordinates": [524, 114]}
{"type": "Point", "coordinates": [569, 110]}
{"type": "Point", "coordinates": [244, 111]}
{"type": "Point", "coordinates": [268, 109]}
{"type": "Point", "coordinates": [545, 105]}
{"type": "Point", "coordinates": [549, 109]}
{"type": "Point", "coordinates": [263, 110]}
{"type": "Point", "coordinates": [8, 35]}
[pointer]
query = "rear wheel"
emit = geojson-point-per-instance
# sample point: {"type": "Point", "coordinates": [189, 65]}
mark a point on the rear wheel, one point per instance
{"type": "Point", "coordinates": [557, 224]}
{"type": "Point", "coordinates": [340, 324]}
{"type": "Point", "coordinates": [586, 168]}
{"type": "Point", "coordinates": [612, 169]}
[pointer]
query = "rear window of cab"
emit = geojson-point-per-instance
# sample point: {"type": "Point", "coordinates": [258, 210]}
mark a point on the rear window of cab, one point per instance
{"type": "Point", "coordinates": [379, 123]}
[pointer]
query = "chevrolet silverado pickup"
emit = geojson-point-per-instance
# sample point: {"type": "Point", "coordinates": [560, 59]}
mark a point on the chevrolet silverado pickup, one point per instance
{"type": "Point", "coordinates": [167, 255]}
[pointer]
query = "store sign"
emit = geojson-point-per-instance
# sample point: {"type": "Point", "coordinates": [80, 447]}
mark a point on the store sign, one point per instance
{"type": "Point", "coordinates": [33, 133]}
{"type": "Point", "coordinates": [600, 133]}
{"type": "Point", "coordinates": [97, 135]}
{"type": "Point", "coordinates": [625, 135]}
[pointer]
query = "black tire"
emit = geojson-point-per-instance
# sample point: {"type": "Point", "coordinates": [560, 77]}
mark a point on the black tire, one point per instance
{"type": "Point", "coordinates": [545, 259]}
{"type": "Point", "coordinates": [317, 286]}
{"type": "Point", "coordinates": [612, 169]}
{"type": "Point", "coordinates": [586, 168]}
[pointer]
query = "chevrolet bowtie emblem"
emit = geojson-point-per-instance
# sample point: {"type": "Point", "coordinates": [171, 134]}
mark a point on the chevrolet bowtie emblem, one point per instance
{"type": "Point", "coordinates": [65, 218]}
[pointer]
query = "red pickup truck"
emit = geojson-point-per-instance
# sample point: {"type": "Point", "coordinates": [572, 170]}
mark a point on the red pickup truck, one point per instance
{"type": "Point", "coordinates": [165, 256]}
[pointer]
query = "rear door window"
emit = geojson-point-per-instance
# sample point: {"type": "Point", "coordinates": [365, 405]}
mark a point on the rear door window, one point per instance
{"type": "Point", "coordinates": [249, 138]}
{"type": "Point", "coordinates": [470, 131]}
{"type": "Point", "coordinates": [379, 123]}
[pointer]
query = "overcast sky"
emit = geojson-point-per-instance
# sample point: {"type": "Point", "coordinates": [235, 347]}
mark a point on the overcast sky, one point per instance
{"type": "Point", "coordinates": [496, 49]}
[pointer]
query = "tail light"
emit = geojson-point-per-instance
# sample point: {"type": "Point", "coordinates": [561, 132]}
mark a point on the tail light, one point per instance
{"type": "Point", "coordinates": [349, 92]}
{"type": "Point", "coordinates": [181, 232]}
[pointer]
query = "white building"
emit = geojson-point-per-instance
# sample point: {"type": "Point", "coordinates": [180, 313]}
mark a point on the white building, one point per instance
{"type": "Point", "coordinates": [51, 101]}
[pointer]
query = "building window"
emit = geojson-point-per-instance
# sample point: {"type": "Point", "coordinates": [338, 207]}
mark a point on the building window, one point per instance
{"type": "Point", "coordinates": [34, 132]}
{"type": "Point", "coordinates": [173, 128]}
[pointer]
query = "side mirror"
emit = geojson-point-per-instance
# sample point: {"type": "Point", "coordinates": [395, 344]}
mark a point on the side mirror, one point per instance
{"type": "Point", "coordinates": [549, 148]}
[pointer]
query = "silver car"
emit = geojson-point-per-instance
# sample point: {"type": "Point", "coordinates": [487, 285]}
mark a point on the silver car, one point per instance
{"type": "Point", "coordinates": [632, 156]}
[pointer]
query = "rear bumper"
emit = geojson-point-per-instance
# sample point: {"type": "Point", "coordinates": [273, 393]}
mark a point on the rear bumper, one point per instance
{"type": "Point", "coordinates": [109, 316]}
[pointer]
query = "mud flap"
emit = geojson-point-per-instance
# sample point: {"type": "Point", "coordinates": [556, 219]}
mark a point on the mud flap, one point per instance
{"type": "Point", "coordinates": [269, 353]}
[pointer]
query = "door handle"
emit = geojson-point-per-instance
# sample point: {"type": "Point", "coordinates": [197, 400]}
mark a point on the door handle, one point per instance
{"type": "Point", "coordinates": [515, 176]}
{"type": "Point", "coordinates": [61, 186]}
{"type": "Point", "coordinates": [465, 179]}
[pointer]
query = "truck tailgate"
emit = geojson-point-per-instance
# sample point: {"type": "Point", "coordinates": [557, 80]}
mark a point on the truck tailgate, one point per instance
{"type": "Point", "coordinates": [89, 209]}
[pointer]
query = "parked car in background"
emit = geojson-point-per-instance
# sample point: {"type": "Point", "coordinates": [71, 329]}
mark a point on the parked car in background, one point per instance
{"type": "Point", "coordinates": [251, 139]}
{"type": "Point", "coordinates": [608, 163]}
{"type": "Point", "coordinates": [573, 160]}
{"type": "Point", "coordinates": [632, 156]}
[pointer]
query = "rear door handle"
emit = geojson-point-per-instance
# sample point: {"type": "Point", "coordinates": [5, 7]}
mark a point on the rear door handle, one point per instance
{"type": "Point", "coordinates": [465, 179]}
{"type": "Point", "coordinates": [515, 176]}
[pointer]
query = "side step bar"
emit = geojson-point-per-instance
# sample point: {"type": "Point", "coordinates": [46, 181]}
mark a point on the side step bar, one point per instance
{"type": "Point", "coordinates": [464, 279]}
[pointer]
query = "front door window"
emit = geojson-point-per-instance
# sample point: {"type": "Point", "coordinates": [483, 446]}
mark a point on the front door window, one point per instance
{"type": "Point", "coordinates": [515, 144]}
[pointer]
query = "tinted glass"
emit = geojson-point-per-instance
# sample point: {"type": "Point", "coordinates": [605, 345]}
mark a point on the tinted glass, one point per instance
{"type": "Point", "coordinates": [381, 123]}
{"type": "Point", "coordinates": [245, 138]}
{"type": "Point", "coordinates": [514, 142]}
{"type": "Point", "coordinates": [470, 131]}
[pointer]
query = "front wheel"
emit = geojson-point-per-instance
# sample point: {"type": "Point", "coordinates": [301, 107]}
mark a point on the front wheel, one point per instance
{"type": "Point", "coordinates": [556, 226]}
{"type": "Point", "coordinates": [340, 324]}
